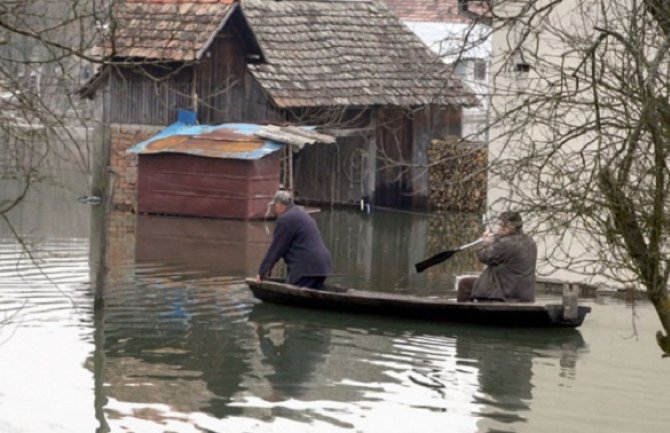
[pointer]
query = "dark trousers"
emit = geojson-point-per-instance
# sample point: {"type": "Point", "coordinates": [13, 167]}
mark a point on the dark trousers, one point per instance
{"type": "Point", "coordinates": [464, 291]}
{"type": "Point", "coordinates": [311, 282]}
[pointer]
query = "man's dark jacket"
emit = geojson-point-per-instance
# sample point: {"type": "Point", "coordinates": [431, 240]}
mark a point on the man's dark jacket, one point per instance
{"type": "Point", "coordinates": [297, 240]}
{"type": "Point", "coordinates": [510, 269]}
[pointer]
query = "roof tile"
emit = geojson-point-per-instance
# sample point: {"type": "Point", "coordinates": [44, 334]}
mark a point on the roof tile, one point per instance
{"type": "Point", "coordinates": [426, 10]}
{"type": "Point", "coordinates": [152, 29]}
{"type": "Point", "coordinates": [331, 53]}
{"type": "Point", "coordinates": [318, 53]}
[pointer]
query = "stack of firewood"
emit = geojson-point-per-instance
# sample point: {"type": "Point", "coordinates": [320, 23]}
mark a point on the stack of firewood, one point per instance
{"type": "Point", "coordinates": [457, 175]}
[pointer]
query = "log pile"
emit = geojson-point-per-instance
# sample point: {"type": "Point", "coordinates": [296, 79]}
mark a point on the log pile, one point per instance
{"type": "Point", "coordinates": [457, 176]}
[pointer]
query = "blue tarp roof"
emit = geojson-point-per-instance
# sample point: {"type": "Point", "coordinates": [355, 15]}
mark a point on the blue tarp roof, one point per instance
{"type": "Point", "coordinates": [227, 140]}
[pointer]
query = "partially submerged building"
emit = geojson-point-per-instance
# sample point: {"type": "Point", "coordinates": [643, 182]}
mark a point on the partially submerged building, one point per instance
{"type": "Point", "coordinates": [222, 171]}
{"type": "Point", "coordinates": [229, 170]}
{"type": "Point", "coordinates": [350, 68]}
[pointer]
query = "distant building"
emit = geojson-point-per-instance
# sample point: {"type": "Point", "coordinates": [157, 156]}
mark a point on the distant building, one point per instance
{"type": "Point", "coordinates": [458, 41]}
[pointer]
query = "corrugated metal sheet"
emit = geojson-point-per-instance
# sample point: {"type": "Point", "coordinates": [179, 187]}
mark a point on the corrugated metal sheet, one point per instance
{"type": "Point", "coordinates": [228, 140]}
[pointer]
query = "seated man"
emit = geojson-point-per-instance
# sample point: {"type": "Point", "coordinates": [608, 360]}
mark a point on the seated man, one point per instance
{"type": "Point", "coordinates": [510, 257]}
{"type": "Point", "coordinates": [297, 240]}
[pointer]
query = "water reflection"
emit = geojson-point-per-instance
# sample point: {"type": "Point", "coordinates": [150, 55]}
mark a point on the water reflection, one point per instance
{"type": "Point", "coordinates": [180, 343]}
{"type": "Point", "coordinates": [378, 251]}
{"type": "Point", "coordinates": [470, 372]}
{"type": "Point", "coordinates": [182, 346]}
{"type": "Point", "coordinates": [371, 251]}
{"type": "Point", "coordinates": [212, 246]}
{"type": "Point", "coordinates": [203, 356]}
{"type": "Point", "coordinates": [178, 346]}
{"type": "Point", "coordinates": [292, 353]}
{"type": "Point", "coordinates": [44, 311]}
{"type": "Point", "coordinates": [184, 343]}
{"type": "Point", "coordinates": [504, 361]}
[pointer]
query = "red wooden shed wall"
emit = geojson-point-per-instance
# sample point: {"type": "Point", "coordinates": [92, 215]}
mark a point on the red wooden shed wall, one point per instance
{"type": "Point", "coordinates": [180, 184]}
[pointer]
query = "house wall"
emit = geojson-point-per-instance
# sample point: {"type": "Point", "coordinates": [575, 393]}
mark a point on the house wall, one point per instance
{"type": "Point", "coordinates": [123, 165]}
{"type": "Point", "coordinates": [475, 74]}
{"type": "Point", "coordinates": [227, 92]}
{"type": "Point", "coordinates": [403, 139]}
{"type": "Point", "coordinates": [113, 224]}
{"type": "Point", "coordinates": [570, 253]}
{"type": "Point", "coordinates": [394, 138]}
{"type": "Point", "coordinates": [180, 184]}
{"type": "Point", "coordinates": [224, 90]}
{"type": "Point", "coordinates": [384, 161]}
{"type": "Point", "coordinates": [333, 173]}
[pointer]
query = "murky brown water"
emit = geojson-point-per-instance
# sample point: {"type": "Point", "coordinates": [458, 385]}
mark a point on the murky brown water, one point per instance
{"type": "Point", "coordinates": [182, 346]}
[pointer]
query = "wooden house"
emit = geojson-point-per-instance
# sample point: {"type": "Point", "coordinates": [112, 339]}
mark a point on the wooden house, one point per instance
{"type": "Point", "coordinates": [350, 68]}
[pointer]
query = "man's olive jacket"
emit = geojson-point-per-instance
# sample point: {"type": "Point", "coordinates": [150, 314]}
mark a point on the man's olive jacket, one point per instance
{"type": "Point", "coordinates": [510, 269]}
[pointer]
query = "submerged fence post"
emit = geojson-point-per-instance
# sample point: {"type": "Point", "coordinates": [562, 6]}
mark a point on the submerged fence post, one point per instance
{"type": "Point", "coordinates": [570, 292]}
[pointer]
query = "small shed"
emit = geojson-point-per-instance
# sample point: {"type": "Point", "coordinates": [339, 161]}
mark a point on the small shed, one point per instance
{"type": "Point", "coordinates": [221, 171]}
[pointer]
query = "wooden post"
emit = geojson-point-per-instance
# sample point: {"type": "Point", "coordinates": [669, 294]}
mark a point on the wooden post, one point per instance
{"type": "Point", "coordinates": [101, 186]}
{"type": "Point", "coordinates": [570, 292]}
{"type": "Point", "coordinates": [371, 184]}
{"type": "Point", "coordinates": [289, 147]}
{"type": "Point", "coordinates": [194, 90]}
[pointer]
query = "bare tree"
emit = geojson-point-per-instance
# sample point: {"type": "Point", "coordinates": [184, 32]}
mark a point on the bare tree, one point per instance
{"type": "Point", "coordinates": [580, 135]}
{"type": "Point", "coordinates": [43, 60]}
{"type": "Point", "coordinates": [44, 47]}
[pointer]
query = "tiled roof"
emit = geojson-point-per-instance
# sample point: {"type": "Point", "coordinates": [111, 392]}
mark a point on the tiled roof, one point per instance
{"type": "Point", "coordinates": [171, 30]}
{"type": "Point", "coordinates": [435, 11]}
{"type": "Point", "coordinates": [346, 53]}
{"type": "Point", "coordinates": [316, 53]}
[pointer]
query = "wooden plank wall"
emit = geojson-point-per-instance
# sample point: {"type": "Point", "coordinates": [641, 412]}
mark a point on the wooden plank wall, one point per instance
{"type": "Point", "coordinates": [403, 139]}
{"type": "Point", "coordinates": [227, 91]}
{"type": "Point", "coordinates": [147, 95]}
{"type": "Point", "coordinates": [394, 137]}
{"type": "Point", "coordinates": [151, 94]}
{"type": "Point", "coordinates": [332, 173]}
{"type": "Point", "coordinates": [392, 173]}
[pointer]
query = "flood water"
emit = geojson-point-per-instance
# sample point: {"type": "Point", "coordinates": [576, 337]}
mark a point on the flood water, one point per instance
{"type": "Point", "coordinates": [182, 346]}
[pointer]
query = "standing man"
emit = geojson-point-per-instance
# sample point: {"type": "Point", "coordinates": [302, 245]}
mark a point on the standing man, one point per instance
{"type": "Point", "coordinates": [510, 257]}
{"type": "Point", "coordinates": [297, 240]}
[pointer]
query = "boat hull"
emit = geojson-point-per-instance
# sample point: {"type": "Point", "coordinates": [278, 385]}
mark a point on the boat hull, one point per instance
{"type": "Point", "coordinates": [341, 299]}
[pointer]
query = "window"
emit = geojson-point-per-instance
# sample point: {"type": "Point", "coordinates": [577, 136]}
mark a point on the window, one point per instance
{"type": "Point", "coordinates": [480, 69]}
{"type": "Point", "coordinates": [520, 63]}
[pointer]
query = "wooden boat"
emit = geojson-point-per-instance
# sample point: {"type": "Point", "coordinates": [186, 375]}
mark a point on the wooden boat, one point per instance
{"type": "Point", "coordinates": [338, 298]}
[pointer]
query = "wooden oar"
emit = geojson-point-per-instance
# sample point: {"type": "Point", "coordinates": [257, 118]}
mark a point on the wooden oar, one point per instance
{"type": "Point", "coordinates": [441, 257]}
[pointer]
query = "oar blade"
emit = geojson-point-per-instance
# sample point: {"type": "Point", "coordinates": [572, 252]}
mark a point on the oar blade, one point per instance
{"type": "Point", "coordinates": [434, 260]}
